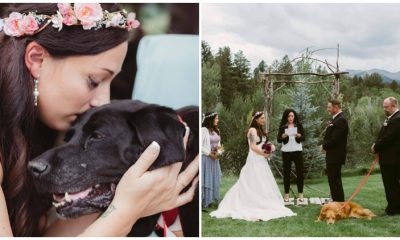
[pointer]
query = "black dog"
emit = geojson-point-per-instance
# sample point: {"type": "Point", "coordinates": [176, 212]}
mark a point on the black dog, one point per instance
{"type": "Point", "coordinates": [102, 144]}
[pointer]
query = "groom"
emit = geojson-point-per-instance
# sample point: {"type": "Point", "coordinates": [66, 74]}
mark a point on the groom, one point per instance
{"type": "Point", "coordinates": [388, 147]}
{"type": "Point", "coordinates": [335, 147]}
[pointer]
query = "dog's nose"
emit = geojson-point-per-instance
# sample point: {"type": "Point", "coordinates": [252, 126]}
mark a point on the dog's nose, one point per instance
{"type": "Point", "coordinates": [38, 168]}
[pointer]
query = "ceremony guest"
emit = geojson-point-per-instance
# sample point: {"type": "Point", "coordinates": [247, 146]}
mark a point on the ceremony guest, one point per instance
{"type": "Point", "coordinates": [211, 169]}
{"type": "Point", "coordinates": [387, 146]}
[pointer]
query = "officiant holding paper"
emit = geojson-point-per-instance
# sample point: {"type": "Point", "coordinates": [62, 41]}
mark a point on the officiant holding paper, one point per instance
{"type": "Point", "coordinates": [291, 134]}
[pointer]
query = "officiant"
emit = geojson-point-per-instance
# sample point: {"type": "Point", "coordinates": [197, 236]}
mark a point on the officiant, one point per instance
{"type": "Point", "coordinates": [291, 135]}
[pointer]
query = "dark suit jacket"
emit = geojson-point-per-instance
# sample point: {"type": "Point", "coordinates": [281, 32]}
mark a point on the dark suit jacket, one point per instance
{"type": "Point", "coordinates": [286, 139]}
{"type": "Point", "coordinates": [335, 140]}
{"type": "Point", "coordinates": [388, 143]}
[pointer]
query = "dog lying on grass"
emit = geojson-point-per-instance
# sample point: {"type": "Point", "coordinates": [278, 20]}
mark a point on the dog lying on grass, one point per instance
{"type": "Point", "coordinates": [333, 211]}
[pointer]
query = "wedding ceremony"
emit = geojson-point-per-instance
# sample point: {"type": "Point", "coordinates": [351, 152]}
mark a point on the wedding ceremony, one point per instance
{"type": "Point", "coordinates": [300, 120]}
{"type": "Point", "coordinates": [200, 119]}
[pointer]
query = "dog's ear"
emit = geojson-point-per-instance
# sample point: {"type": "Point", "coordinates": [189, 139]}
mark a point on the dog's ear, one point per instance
{"type": "Point", "coordinates": [324, 209]}
{"type": "Point", "coordinates": [159, 124]}
{"type": "Point", "coordinates": [190, 115]}
{"type": "Point", "coordinates": [338, 215]}
{"type": "Point", "coordinates": [322, 214]}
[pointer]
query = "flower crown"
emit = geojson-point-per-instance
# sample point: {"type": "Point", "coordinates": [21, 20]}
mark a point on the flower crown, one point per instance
{"type": "Point", "coordinates": [257, 114]}
{"type": "Point", "coordinates": [212, 114]}
{"type": "Point", "coordinates": [254, 116]}
{"type": "Point", "coordinates": [89, 15]}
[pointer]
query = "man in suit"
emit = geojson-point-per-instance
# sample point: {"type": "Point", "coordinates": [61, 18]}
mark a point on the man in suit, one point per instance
{"type": "Point", "coordinates": [335, 147]}
{"type": "Point", "coordinates": [387, 146]}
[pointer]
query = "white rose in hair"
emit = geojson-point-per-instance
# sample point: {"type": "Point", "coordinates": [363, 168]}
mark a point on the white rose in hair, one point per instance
{"type": "Point", "coordinates": [57, 21]}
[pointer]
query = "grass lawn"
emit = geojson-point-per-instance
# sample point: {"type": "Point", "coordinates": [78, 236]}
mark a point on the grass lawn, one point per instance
{"type": "Point", "coordinates": [371, 196]}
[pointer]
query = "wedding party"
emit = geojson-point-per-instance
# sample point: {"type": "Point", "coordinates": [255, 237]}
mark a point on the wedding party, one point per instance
{"type": "Point", "coordinates": [295, 142]}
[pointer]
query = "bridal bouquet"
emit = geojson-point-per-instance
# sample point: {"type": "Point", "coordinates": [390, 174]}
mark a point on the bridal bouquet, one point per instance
{"type": "Point", "coordinates": [268, 148]}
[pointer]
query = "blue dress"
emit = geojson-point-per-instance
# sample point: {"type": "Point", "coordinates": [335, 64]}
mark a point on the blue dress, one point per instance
{"type": "Point", "coordinates": [211, 174]}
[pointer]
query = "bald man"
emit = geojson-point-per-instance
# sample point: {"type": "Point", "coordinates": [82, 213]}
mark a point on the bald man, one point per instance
{"type": "Point", "coordinates": [387, 146]}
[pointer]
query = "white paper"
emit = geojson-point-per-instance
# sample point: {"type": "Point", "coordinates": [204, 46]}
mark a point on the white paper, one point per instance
{"type": "Point", "coordinates": [291, 131]}
{"type": "Point", "coordinates": [315, 200]}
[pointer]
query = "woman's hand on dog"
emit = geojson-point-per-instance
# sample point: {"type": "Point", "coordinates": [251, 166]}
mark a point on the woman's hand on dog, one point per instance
{"type": "Point", "coordinates": [142, 193]}
{"type": "Point", "coordinates": [158, 190]}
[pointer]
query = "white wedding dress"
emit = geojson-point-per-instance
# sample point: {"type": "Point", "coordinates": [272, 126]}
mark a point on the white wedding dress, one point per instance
{"type": "Point", "coordinates": [255, 196]}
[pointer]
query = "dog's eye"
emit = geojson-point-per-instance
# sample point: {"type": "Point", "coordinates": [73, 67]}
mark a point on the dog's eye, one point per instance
{"type": "Point", "coordinates": [93, 137]}
{"type": "Point", "coordinates": [97, 136]}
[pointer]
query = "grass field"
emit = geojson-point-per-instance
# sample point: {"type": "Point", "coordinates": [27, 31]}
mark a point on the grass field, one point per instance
{"type": "Point", "coordinates": [371, 196]}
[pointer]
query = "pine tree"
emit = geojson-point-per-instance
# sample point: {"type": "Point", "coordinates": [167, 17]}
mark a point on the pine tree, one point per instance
{"type": "Point", "coordinates": [394, 86]}
{"type": "Point", "coordinates": [241, 76]}
{"type": "Point", "coordinates": [241, 66]}
{"type": "Point", "coordinates": [210, 87]}
{"type": "Point", "coordinates": [285, 66]}
{"type": "Point", "coordinates": [374, 80]}
{"type": "Point", "coordinates": [210, 75]}
{"type": "Point", "coordinates": [262, 67]}
{"type": "Point", "coordinates": [206, 53]}
{"type": "Point", "coordinates": [313, 159]}
{"type": "Point", "coordinates": [228, 90]}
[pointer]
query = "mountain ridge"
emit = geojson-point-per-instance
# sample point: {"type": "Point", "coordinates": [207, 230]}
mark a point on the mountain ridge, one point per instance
{"type": "Point", "coordinates": [387, 76]}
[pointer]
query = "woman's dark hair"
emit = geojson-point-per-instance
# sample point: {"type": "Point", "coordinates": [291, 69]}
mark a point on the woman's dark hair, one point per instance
{"type": "Point", "coordinates": [209, 122]}
{"type": "Point", "coordinates": [285, 115]}
{"type": "Point", "coordinates": [22, 137]}
{"type": "Point", "coordinates": [260, 131]}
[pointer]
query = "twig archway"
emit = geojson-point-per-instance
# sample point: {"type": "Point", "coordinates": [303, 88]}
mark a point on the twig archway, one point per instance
{"type": "Point", "coordinates": [269, 81]}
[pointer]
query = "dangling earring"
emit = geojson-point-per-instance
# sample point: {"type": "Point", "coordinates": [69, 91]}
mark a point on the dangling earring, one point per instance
{"type": "Point", "coordinates": [36, 91]}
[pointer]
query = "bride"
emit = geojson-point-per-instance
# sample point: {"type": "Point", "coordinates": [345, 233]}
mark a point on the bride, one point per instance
{"type": "Point", "coordinates": [255, 196]}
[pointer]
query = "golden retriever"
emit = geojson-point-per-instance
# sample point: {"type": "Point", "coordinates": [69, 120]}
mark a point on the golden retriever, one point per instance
{"type": "Point", "coordinates": [332, 212]}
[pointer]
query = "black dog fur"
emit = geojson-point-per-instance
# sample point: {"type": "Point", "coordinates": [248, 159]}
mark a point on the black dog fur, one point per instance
{"type": "Point", "coordinates": [103, 143]}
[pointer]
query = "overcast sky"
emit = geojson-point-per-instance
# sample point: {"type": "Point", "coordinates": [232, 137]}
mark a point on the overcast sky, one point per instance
{"type": "Point", "coordinates": [368, 34]}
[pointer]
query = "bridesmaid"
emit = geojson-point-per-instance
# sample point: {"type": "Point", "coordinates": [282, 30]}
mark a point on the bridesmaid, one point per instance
{"type": "Point", "coordinates": [211, 170]}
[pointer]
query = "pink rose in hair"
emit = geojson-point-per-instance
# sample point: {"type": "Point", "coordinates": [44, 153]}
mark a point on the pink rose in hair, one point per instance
{"type": "Point", "coordinates": [88, 14]}
{"type": "Point", "coordinates": [64, 8]}
{"type": "Point", "coordinates": [69, 19]}
{"type": "Point", "coordinates": [29, 24]}
{"type": "Point", "coordinates": [132, 22]}
{"type": "Point", "coordinates": [67, 13]}
{"type": "Point", "coordinates": [13, 25]}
